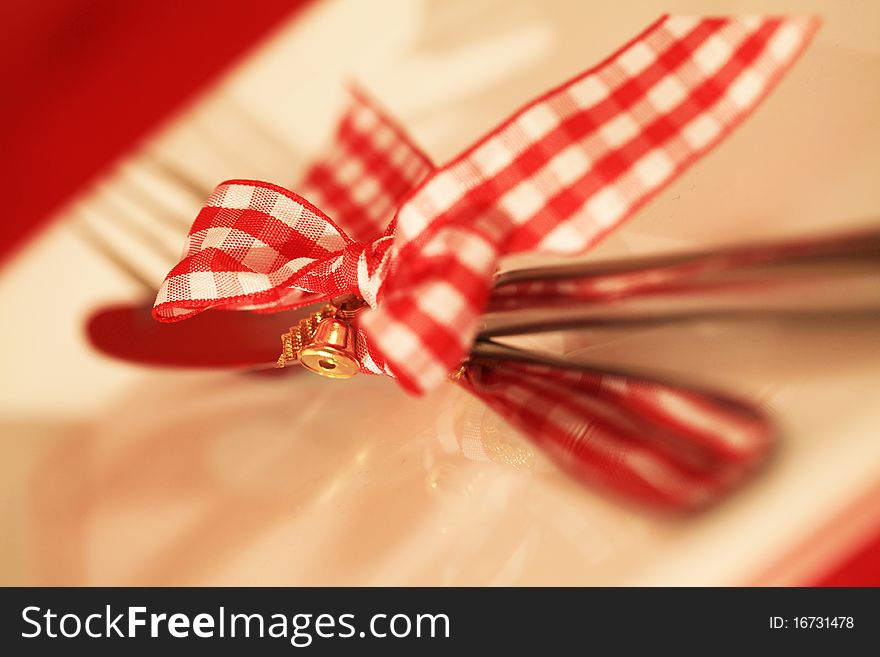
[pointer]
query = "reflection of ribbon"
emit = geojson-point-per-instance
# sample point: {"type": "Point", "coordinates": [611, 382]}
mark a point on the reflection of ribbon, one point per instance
{"type": "Point", "coordinates": [554, 178]}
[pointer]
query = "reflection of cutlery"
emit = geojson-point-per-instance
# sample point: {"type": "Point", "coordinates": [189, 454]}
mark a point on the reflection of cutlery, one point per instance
{"type": "Point", "coordinates": [213, 339]}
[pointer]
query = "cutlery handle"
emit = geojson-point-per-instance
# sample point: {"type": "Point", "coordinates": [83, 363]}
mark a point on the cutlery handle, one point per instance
{"type": "Point", "coordinates": [817, 279]}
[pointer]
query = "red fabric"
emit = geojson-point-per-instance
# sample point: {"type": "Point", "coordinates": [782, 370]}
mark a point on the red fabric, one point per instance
{"type": "Point", "coordinates": [371, 166]}
{"type": "Point", "coordinates": [85, 79]}
{"type": "Point", "coordinates": [553, 178]}
{"type": "Point", "coordinates": [652, 441]}
{"type": "Point", "coordinates": [861, 568]}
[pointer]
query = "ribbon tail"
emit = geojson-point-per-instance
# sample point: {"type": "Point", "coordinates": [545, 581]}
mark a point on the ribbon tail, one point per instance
{"type": "Point", "coordinates": [649, 440]}
{"type": "Point", "coordinates": [566, 170]}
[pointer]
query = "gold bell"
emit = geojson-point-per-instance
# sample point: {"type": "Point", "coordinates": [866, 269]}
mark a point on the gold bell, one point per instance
{"type": "Point", "coordinates": [331, 351]}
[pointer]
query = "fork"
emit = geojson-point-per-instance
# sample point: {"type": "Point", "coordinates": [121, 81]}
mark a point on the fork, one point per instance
{"type": "Point", "coordinates": [135, 229]}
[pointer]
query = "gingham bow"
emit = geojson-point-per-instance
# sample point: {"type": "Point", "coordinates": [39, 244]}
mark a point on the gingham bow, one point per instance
{"type": "Point", "coordinates": [554, 178]}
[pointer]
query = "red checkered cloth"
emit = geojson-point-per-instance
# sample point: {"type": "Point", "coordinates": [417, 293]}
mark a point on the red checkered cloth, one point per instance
{"type": "Point", "coordinates": [554, 178]}
{"type": "Point", "coordinates": [370, 167]}
{"type": "Point", "coordinates": [656, 442]}
{"type": "Point", "coordinates": [256, 246]}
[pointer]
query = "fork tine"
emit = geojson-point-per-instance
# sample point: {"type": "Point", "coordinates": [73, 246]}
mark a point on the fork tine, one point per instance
{"type": "Point", "coordinates": [102, 246]}
{"type": "Point", "coordinates": [258, 128]}
{"type": "Point", "coordinates": [125, 221]}
{"type": "Point", "coordinates": [219, 142]}
{"type": "Point", "coordinates": [134, 215]}
{"type": "Point", "coordinates": [156, 208]}
{"type": "Point", "coordinates": [179, 176]}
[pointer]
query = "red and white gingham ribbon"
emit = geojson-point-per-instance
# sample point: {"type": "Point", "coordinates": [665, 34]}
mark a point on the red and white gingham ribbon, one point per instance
{"type": "Point", "coordinates": [655, 442]}
{"type": "Point", "coordinates": [421, 243]}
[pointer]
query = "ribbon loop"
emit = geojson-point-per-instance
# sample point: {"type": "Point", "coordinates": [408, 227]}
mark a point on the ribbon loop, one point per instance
{"type": "Point", "coordinates": [254, 245]}
{"type": "Point", "coordinates": [555, 177]}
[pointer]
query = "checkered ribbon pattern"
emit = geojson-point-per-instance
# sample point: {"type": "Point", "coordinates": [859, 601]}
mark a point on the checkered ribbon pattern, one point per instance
{"type": "Point", "coordinates": [421, 243]}
{"type": "Point", "coordinates": [654, 442]}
